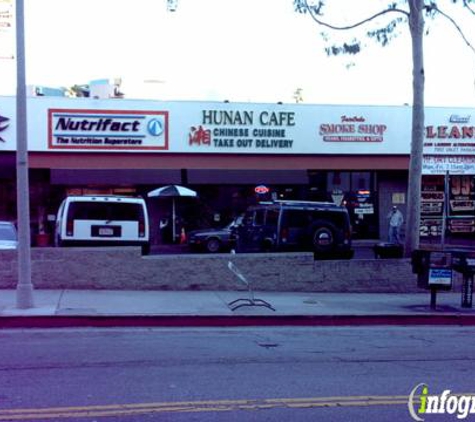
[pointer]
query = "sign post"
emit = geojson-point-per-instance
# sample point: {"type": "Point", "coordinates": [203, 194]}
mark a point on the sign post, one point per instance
{"type": "Point", "coordinates": [24, 287]}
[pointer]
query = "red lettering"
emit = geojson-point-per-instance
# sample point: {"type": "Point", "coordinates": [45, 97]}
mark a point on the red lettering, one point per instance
{"type": "Point", "coordinates": [455, 132]}
{"type": "Point", "coordinates": [430, 132]}
{"type": "Point", "coordinates": [467, 132]}
{"type": "Point", "coordinates": [442, 132]}
{"type": "Point", "coordinates": [199, 136]}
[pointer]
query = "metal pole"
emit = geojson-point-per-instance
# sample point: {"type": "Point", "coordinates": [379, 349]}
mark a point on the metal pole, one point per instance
{"type": "Point", "coordinates": [467, 291]}
{"type": "Point", "coordinates": [445, 209]}
{"type": "Point", "coordinates": [24, 292]}
{"type": "Point", "coordinates": [433, 297]}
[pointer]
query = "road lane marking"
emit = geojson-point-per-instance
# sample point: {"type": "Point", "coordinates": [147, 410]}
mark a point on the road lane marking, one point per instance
{"type": "Point", "coordinates": [132, 409]}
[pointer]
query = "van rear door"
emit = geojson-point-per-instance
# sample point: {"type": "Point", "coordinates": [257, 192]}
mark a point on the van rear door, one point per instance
{"type": "Point", "coordinates": [106, 221]}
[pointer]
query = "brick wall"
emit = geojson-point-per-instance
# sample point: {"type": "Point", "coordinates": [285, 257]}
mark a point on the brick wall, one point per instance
{"type": "Point", "coordinates": [125, 268]}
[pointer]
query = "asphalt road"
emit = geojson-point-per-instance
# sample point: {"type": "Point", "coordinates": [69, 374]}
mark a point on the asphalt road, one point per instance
{"type": "Point", "coordinates": [235, 374]}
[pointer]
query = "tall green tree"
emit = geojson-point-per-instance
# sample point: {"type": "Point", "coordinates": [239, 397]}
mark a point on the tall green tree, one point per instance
{"type": "Point", "coordinates": [395, 13]}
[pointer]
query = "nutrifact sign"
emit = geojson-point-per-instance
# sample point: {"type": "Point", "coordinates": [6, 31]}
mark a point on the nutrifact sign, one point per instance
{"type": "Point", "coordinates": [106, 129]}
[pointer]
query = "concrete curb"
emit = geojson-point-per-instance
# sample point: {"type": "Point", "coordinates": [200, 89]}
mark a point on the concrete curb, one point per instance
{"type": "Point", "coordinates": [56, 321]}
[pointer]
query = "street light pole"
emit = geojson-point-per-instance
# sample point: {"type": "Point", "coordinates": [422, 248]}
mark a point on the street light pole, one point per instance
{"type": "Point", "coordinates": [24, 296]}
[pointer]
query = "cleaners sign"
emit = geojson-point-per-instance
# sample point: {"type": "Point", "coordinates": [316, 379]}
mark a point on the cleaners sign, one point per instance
{"type": "Point", "coordinates": [454, 137]}
{"type": "Point", "coordinates": [106, 129]}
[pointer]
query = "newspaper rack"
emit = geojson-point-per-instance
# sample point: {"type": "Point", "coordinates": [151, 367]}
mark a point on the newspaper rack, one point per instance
{"type": "Point", "coordinates": [249, 301]}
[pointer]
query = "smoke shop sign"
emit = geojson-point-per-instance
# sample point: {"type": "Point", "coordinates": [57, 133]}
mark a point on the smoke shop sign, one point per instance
{"type": "Point", "coordinates": [352, 129]}
{"type": "Point", "coordinates": [107, 129]}
{"type": "Point", "coordinates": [243, 131]}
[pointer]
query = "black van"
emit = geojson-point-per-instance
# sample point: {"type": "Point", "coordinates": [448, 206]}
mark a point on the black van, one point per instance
{"type": "Point", "coordinates": [320, 227]}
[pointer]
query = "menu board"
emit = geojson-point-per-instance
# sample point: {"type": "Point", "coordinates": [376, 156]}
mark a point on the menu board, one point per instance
{"type": "Point", "coordinates": [432, 206]}
{"type": "Point", "coordinates": [460, 213]}
{"type": "Point", "coordinates": [462, 204]}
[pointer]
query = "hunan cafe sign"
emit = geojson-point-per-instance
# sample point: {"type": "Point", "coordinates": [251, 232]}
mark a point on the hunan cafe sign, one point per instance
{"type": "Point", "coordinates": [243, 130]}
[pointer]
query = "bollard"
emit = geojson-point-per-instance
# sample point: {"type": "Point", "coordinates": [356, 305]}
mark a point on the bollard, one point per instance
{"type": "Point", "coordinates": [433, 297]}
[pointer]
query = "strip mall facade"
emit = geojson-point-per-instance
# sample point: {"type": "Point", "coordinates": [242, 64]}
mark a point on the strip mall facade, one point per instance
{"type": "Point", "coordinates": [355, 155]}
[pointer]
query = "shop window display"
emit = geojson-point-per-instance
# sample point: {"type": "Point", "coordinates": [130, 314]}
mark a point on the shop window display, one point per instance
{"type": "Point", "coordinates": [457, 195]}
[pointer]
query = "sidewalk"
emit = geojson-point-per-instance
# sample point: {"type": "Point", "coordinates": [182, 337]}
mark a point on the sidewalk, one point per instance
{"type": "Point", "coordinates": [65, 308]}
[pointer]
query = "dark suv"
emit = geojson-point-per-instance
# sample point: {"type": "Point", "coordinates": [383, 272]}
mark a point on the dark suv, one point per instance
{"type": "Point", "coordinates": [320, 227]}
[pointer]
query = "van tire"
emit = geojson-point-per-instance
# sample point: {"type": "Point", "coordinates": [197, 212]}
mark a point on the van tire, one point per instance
{"type": "Point", "coordinates": [146, 249]}
{"type": "Point", "coordinates": [323, 236]}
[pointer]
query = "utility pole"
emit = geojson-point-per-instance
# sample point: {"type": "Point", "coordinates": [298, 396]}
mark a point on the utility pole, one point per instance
{"type": "Point", "coordinates": [24, 292]}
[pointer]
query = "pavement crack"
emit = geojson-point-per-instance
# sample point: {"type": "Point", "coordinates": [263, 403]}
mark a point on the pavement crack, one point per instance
{"type": "Point", "coordinates": [268, 345]}
{"type": "Point", "coordinates": [422, 339]}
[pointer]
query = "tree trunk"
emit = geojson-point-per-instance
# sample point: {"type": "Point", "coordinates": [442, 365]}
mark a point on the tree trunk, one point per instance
{"type": "Point", "coordinates": [416, 24]}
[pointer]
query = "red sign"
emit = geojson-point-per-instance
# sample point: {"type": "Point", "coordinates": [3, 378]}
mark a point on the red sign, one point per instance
{"type": "Point", "coordinates": [352, 129]}
{"type": "Point", "coordinates": [261, 189]}
{"type": "Point", "coordinates": [199, 136]}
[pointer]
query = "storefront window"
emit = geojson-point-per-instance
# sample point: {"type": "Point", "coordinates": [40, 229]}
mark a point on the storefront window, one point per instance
{"type": "Point", "coordinates": [432, 206]}
{"type": "Point", "coordinates": [360, 181]}
{"type": "Point", "coordinates": [457, 195]}
{"type": "Point", "coordinates": [461, 209]}
{"type": "Point", "coordinates": [339, 180]}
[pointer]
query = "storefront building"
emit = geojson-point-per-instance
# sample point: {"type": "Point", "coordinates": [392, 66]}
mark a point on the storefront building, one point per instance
{"type": "Point", "coordinates": [448, 182]}
{"type": "Point", "coordinates": [354, 155]}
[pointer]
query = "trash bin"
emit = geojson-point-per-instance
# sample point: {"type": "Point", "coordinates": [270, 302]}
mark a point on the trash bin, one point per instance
{"type": "Point", "coordinates": [388, 250]}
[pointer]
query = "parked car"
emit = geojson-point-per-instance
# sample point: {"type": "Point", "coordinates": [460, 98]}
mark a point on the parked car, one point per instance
{"type": "Point", "coordinates": [103, 221]}
{"type": "Point", "coordinates": [320, 227]}
{"type": "Point", "coordinates": [8, 235]}
{"type": "Point", "coordinates": [214, 240]}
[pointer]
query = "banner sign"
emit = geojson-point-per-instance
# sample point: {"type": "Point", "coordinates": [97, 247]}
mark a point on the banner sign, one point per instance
{"type": "Point", "coordinates": [437, 164]}
{"type": "Point", "coordinates": [196, 127]}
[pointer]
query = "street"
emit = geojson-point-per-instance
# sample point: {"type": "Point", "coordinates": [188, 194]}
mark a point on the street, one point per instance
{"type": "Point", "coordinates": [251, 374]}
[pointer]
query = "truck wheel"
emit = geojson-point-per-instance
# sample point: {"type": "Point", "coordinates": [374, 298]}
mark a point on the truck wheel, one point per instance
{"type": "Point", "coordinates": [323, 236]}
{"type": "Point", "coordinates": [267, 245]}
{"type": "Point", "coordinates": [213, 245]}
{"type": "Point", "coordinates": [146, 249]}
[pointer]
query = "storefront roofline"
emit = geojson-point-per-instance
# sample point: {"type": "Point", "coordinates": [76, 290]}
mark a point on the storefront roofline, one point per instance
{"type": "Point", "coordinates": [236, 162]}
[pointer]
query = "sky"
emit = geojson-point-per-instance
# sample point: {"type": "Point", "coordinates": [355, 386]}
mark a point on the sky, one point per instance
{"type": "Point", "coordinates": [236, 50]}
